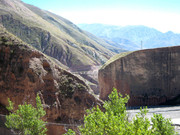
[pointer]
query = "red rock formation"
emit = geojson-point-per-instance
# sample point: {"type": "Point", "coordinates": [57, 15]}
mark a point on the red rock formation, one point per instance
{"type": "Point", "coordinates": [150, 77]}
{"type": "Point", "coordinates": [24, 72]}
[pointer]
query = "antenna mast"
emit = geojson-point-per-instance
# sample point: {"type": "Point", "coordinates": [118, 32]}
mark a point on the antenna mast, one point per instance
{"type": "Point", "coordinates": [141, 44]}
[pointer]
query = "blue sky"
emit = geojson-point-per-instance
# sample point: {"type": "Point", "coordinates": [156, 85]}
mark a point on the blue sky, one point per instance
{"type": "Point", "coordinates": [163, 15]}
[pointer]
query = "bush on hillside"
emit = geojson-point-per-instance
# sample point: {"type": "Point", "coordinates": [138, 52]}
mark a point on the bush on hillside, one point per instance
{"type": "Point", "coordinates": [26, 120]}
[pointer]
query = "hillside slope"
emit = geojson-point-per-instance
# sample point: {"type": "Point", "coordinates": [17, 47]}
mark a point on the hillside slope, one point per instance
{"type": "Point", "coordinates": [25, 71]}
{"type": "Point", "coordinates": [52, 35]}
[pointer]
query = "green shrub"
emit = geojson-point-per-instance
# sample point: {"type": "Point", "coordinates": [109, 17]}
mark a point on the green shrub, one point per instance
{"type": "Point", "coordinates": [26, 120]}
{"type": "Point", "coordinates": [114, 120]}
{"type": "Point", "coordinates": [162, 126]}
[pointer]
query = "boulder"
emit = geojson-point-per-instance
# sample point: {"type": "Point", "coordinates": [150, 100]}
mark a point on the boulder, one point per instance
{"type": "Point", "coordinates": [150, 77]}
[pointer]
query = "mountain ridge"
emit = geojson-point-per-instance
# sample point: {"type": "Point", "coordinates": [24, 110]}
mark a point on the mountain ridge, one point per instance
{"type": "Point", "coordinates": [131, 37]}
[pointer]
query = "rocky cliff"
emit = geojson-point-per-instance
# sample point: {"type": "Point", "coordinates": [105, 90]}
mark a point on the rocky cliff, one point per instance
{"type": "Point", "coordinates": [24, 72]}
{"type": "Point", "coordinates": [150, 77]}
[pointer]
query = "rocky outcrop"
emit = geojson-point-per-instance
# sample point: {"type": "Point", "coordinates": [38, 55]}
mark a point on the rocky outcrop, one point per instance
{"type": "Point", "coordinates": [150, 77]}
{"type": "Point", "coordinates": [24, 72]}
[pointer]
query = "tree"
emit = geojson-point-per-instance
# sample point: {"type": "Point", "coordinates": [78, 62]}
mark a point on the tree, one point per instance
{"type": "Point", "coordinates": [114, 120]}
{"type": "Point", "coordinates": [26, 120]}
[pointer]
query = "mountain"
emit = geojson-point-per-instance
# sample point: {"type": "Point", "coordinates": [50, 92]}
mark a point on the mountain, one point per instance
{"type": "Point", "coordinates": [164, 40]}
{"type": "Point", "coordinates": [53, 35]}
{"type": "Point", "coordinates": [26, 72]}
{"type": "Point", "coordinates": [100, 30]}
{"type": "Point", "coordinates": [131, 37]}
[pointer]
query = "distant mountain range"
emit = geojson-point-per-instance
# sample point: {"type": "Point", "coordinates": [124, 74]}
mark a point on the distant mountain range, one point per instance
{"type": "Point", "coordinates": [131, 37]}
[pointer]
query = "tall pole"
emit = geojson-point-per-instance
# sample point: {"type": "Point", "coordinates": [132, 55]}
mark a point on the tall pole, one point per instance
{"type": "Point", "coordinates": [141, 44]}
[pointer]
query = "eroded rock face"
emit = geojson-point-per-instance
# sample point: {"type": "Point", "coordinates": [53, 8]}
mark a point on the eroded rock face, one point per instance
{"type": "Point", "coordinates": [24, 72]}
{"type": "Point", "coordinates": [150, 77]}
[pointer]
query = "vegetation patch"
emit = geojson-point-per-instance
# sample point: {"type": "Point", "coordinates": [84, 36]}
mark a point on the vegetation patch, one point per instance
{"type": "Point", "coordinates": [67, 86]}
{"type": "Point", "coordinates": [27, 120]}
{"type": "Point", "coordinates": [114, 120]}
